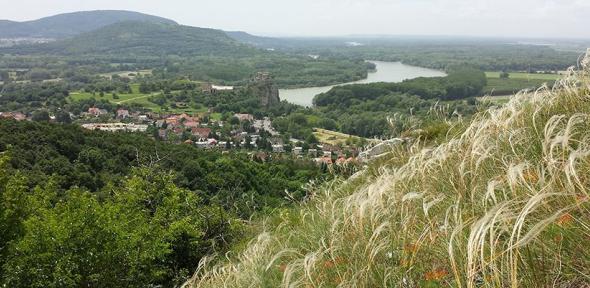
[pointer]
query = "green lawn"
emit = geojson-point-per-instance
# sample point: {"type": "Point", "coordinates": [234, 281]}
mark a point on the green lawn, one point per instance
{"type": "Point", "coordinates": [134, 97]}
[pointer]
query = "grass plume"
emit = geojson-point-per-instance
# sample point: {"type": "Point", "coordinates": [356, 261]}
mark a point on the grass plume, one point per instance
{"type": "Point", "coordinates": [504, 204]}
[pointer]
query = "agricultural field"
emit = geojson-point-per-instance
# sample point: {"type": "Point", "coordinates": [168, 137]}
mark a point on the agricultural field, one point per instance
{"type": "Point", "coordinates": [516, 81]}
{"type": "Point", "coordinates": [336, 138]}
{"type": "Point", "coordinates": [524, 75]}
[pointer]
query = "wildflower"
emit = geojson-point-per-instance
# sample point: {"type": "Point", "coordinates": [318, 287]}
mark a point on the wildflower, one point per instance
{"type": "Point", "coordinates": [411, 248]}
{"type": "Point", "coordinates": [328, 264]}
{"type": "Point", "coordinates": [531, 176]}
{"type": "Point", "coordinates": [283, 267]}
{"type": "Point", "coordinates": [581, 198]}
{"type": "Point", "coordinates": [565, 219]}
{"type": "Point", "coordinates": [340, 260]}
{"type": "Point", "coordinates": [435, 275]}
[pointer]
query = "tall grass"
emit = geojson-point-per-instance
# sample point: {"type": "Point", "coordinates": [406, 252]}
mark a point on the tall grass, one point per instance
{"type": "Point", "coordinates": [504, 204]}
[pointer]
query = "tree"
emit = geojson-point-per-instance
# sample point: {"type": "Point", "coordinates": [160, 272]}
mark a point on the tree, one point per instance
{"type": "Point", "coordinates": [41, 116]}
{"type": "Point", "coordinates": [234, 121]}
{"type": "Point", "coordinates": [63, 117]}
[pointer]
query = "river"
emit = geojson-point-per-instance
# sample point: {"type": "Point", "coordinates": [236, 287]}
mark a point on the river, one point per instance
{"type": "Point", "coordinates": [385, 72]}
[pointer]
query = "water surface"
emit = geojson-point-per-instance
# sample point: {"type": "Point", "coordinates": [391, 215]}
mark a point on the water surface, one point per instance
{"type": "Point", "coordinates": [385, 72]}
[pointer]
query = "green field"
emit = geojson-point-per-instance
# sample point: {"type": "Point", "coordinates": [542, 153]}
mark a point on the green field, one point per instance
{"type": "Point", "coordinates": [516, 82]}
{"type": "Point", "coordinates": [527, 76]}
{"type": "Point", "coordinates": [133, 98]}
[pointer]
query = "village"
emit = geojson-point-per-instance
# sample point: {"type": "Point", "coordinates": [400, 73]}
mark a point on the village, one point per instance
{"type": "Point", "coordinates": [242, 131]}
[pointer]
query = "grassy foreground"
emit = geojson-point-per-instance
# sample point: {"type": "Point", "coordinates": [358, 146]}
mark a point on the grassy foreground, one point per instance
{"type": "Point", "coordinates": [506, 203]}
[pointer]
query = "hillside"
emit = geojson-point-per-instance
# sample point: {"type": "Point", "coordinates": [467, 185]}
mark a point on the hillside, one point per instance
{"type": "Point", "coordinates": [141, 38]}
{"type": "Point", "coordinates": [71, 24]}
{"type": "Point", "coordinates": [258, 41]}
{"type": "Point", "coordinates": [503, 203]}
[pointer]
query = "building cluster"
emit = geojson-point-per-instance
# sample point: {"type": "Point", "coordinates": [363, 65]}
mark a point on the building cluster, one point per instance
{"type": "Point", "coordinates": [116, 127]}
{"type": "Point", "coordinates": [18, 116]}
{"type": "Point", "coordinates": [208, 133]}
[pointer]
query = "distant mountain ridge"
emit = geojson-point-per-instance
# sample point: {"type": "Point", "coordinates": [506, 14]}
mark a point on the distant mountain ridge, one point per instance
{"type": "Point", "coordinates": [71, 24]}
{"type": "Point", "coordinates": [141, 38]}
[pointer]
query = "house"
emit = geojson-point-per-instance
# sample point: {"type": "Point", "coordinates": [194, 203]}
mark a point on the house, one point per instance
{"type": "Point", "coordinates": [324, 160]}
{"type": "Point", "coordinates": [122, 114]}
{"type": "Point", "coordinates": [341, 160]}
{"type": "Point", "coordinates": [216, 88]}
{"type": "Point", "coordinates": [97, 112]}
{"type": "Point", "coordinates": [244, 117]}
{"type": "Point", "coordinates": [278, 148]}
{"type": "Point", "coordinates": [207, 88]}
{"type": "Point", "coordinates": [298, 151]}
{"type": "Point", "coordinates": [143, 118]}
{"type": "Point", "coordinates": [115, 127]}
{"type": "Point", "coordinates": [173, 120]}
{"type": "Point", "coordinates": [201, 133]}
{"type": "Point", "coordinates": [191, 124]}
{"type": "Point", "coordinates": [13, 115]}
{"type": "Point", "coordinates": [312, 152]}
{"type": "Point", "coordinates": [206, 144]}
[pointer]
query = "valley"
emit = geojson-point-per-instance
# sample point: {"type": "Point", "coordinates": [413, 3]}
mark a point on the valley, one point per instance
{"type": "Point", "coordinates": [141, 151]}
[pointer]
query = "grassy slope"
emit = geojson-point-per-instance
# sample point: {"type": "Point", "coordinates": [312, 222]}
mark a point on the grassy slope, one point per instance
{"type": "Point", "coordinates": [505, 203]}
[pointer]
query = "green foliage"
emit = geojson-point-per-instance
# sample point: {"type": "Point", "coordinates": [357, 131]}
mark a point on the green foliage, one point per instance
{"type": "Point", "coordinates": [93, 160]}
{"type": "Point", "coordinates": [149, 232]}
{"type": "Point", "coordinates": [363, 109]}
{"type": "Point", "coordinates": [88, 208]}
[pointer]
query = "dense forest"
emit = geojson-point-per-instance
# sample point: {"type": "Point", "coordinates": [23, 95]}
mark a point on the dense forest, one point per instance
{"type": "Point", "coordinates": [89, 208]}
{"type": "Point", "coordinates": [485, 54]}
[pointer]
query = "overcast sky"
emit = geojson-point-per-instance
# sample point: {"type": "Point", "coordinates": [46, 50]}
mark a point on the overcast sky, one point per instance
{"type": "Point", "coordinates": [530, 18]}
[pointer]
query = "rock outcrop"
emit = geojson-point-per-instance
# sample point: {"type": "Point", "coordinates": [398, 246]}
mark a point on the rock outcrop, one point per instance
{"type": "Point", "coordinates": [264, 87]}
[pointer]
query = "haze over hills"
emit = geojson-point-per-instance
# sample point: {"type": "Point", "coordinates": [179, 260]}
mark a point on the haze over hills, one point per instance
{"type": "Point", "coordinates": [71, 24]}
{"type": "Point", "coordinates": [141, 38]}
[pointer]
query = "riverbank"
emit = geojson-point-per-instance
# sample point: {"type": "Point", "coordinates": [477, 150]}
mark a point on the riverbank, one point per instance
{"type": "Point", "coordinates": [384, 72]}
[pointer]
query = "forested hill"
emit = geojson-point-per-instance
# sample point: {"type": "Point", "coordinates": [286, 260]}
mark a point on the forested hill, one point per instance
{"type": "Point", "coordinates": [461, 83]}
{"type": "Point", "coordinates": [142, 38]}
{"type": "Point", "coordinates": [71, 24]}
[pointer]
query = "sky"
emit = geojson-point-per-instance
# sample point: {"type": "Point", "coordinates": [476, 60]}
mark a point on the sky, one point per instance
{"type": "Point", "coordinates": [504, 18]}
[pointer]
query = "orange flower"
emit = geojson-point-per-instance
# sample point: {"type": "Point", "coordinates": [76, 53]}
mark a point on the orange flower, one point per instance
{"type": "Point", "coordinates": [328, 264]}
{"type": "Point", "coordinates": [283, 267]}
{"type": "Point", "coordinates": [411, 248]}
{"type": "Point", "coordinates": [436, 274]}
{"type": "Point", "coordinates": [581, 198]}
{"type": "Point", "coordinates": [531, 176]}
{"type": "Point", "coordinates": [565, 219]}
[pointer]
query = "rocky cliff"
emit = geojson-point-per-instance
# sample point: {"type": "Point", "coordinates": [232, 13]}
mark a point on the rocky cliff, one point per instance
{"type": "Point", "coordinates": [264, 87]}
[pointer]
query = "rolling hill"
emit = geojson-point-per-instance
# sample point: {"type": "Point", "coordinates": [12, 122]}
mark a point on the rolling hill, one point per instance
{"type": "Point", "coordinates": [141, 38]}
{"type": "Point", "coordinates": [70, 24]}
